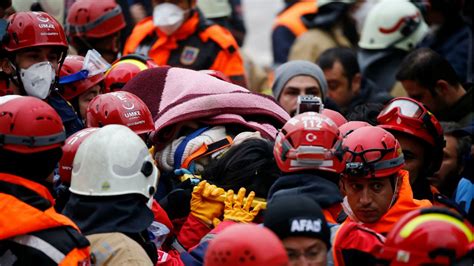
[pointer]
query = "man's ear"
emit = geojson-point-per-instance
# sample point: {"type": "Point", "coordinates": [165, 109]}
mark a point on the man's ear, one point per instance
{"type": "Point", "coordinates": [6, 66]}
{"type": "Point", "coordinates": [442, 87]}
{"type": "Point", "coordinates": [356, 83]}
{"type": "Point", "coordinates": [342, 188]}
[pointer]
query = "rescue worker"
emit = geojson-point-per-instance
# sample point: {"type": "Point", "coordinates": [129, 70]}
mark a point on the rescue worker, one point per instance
{"type": "Point", "coordinates": [77, 86]}
{"type": "Point", "coordinates": [429, 78]}
{"type": "Point", "coordinates": [95, 25]}
{"type": "Point", "coordinates": [330, 26]}
{"type": "Point", "coordinates": [287, 26]}
{"type": "Point", "coordinates": [36, 48]}
{"type": "Point", "coordinates": [296, 78]}
{"type": "Point", "coordinates": [392, 29]}
{"type": "Point", "coordinates": [421, 138]}
{"type": "Point", "coordinates": [179, 35]}
{"type": "Point", "coordinates": [431, 236]}
{"type": "Point", "coordinates": [124, 69]}
{"type": "Point", "coordinates": [33, 233]}
{"type": "Point", "coordinates": [308, 152]}
{"type": "Point", "coordinates": [110, 187]}
{"type": "Point", "coordinates": [300, 224]}
{"type": "Point", "coordinates": [377, 191]}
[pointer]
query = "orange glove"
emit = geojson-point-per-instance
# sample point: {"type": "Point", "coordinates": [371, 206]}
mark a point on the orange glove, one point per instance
{"type": "Point", "coordinates": [205, 204]}
{"type": "Point", "coordinates": [239, 210]}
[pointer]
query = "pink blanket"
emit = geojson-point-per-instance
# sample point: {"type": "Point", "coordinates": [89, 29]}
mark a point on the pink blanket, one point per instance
{"type": "Point", "coordinates": [177, 95]}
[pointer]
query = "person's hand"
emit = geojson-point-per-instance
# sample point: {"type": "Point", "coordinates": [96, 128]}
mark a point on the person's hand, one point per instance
{"type": "Point", "coordinates": [205, 203]}
{"type": "Point", "coordinates": [239, 210]}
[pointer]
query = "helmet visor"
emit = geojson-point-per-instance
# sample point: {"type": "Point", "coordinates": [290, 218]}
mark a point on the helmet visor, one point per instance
{"type": "Point", "coordinates": [405, 108]}
{"type": "Point", "coordinates": [94, 64]}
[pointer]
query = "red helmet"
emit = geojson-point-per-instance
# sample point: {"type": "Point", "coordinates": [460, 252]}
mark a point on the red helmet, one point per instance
{"type": "Point", "coordinates": [29, 125]}
{"type": "Point", "coordinates": [30, 29]}
{"type": "Point", "coordinates": [217, 74]}
{"type": "Point", "coordinates": [349, 127]}
{"type": "Point", "coordinates": [372, 152]}
{"type": "Point", "coordinates": [410, 117]}
{"type": "Point", "coordinates": [428, 237]}
{"type": "Point", "coordinates": [124, 69]}
{"type": "Point", "coordinates": [120, 107]}
{"type": "Point", "coordinates": [309, 141]}
{"type": "Point", "coordinates": [94, 19]}
{"type": "Point", "coordinates": [73, 64]}
{"type": "Point", "coordinates": [232, 247]}
{"type": "Point", "coordinates": [69, 151]}
{"type": "Point", "coordinates": [337, 117]}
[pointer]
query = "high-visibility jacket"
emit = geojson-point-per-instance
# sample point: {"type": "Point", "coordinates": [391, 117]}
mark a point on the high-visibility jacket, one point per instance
{"type": "Point", "coordinates": [288, 26]}
{"type": "Point", "coordinates": [32, 232]}
{"type": "Point", "coordinates": [198, 44]}
{"type": "Point", "coordinates": [404, 204]}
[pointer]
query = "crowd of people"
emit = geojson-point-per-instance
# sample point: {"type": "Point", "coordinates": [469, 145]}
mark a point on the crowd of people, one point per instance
{"type": "Point", "coordinates": [139, 133]}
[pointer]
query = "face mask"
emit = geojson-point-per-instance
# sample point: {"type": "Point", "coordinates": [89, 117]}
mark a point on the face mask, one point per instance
{"type": "Point", "coordinates": [37, 79]}
{"type": "Point", "coordinates": [168, 17]}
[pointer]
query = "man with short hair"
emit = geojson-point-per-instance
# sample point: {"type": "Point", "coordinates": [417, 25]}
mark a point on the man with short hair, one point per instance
{"type": "Point", "coordinates": [346, 87]}
{"type": "Point", "coordinates": [36, 46]}
{"type": "Point", "coordinates": [429, 78]}
{"type": "Point", "coordinates": [377, 191]}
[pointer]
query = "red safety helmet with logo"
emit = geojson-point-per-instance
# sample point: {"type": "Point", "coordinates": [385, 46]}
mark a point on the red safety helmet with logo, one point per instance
{"type": "Point", "coordinates": [94, 19]}
{"type": "Point", "coordinates": [309, 141]}
{"type": "Point", "coordinates": [69, 151]}
{"type": "Point", "coordinates": [72, 65]}
{"type": "Point", "coordinates": [432, 236]}
{"type": "Point", "coordinates": [124, 69]}
{"type": "Point", "coordinates": [31, 29]}
{"type": "Point", "coordinates": [30, 125]}
{"type": "Point", "coordinates": [120, 107]}
{"type": "Point", "coordinates": [233, 247]}
{"type": "Point", "coordinates": [372, 152]}
{"type": "Point", "coordinates": [411, 117]}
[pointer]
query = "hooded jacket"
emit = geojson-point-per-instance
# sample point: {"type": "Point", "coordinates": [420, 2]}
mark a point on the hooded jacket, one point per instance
{"type": "Point", "coordinates": [326, 193]}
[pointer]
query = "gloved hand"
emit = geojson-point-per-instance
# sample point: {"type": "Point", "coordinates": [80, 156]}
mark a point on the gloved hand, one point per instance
{"type": "Point", "coordinates": [205, 203]}
{"type": "Point", "coordinates": [238, 210]}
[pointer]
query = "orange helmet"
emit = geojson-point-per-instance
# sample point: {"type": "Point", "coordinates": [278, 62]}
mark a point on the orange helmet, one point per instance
{"type": "Point", "coordinates": [432, 236]}
{"type": "Point", "coordinates": [372, 152]}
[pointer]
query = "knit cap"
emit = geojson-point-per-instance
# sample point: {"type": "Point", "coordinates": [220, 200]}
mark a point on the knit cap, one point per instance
{"type": "Point", "coordinates": [297, 216]}
{"type": "Point", "coordinates": [295, 68]}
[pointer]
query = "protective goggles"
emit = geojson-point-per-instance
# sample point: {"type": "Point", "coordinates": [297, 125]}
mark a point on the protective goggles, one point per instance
{"type": "Point", "coordinates": [94, 64]}
{"type": "Point", "coordinates": [371, 161]}
{"type": "Point", "coordinates": [411, 114]}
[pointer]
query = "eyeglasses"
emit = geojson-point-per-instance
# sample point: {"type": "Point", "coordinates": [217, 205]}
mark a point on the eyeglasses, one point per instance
{"type": "Point", "coordinates": [94, 64]}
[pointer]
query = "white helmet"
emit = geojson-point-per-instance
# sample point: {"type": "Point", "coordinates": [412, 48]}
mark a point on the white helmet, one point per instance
{"type": "Point", "coordinates": [214, 8]}
{"type": "Point", "coordinates": [113, 161]}
{"type": "Point", "coordinates": [393, 23]}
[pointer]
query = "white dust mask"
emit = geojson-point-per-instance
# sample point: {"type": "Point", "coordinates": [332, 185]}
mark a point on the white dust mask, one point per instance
{"type": "Point", "coordinates": [37, 79]}
{"type": "Point", "coordinates": [168, 17]}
